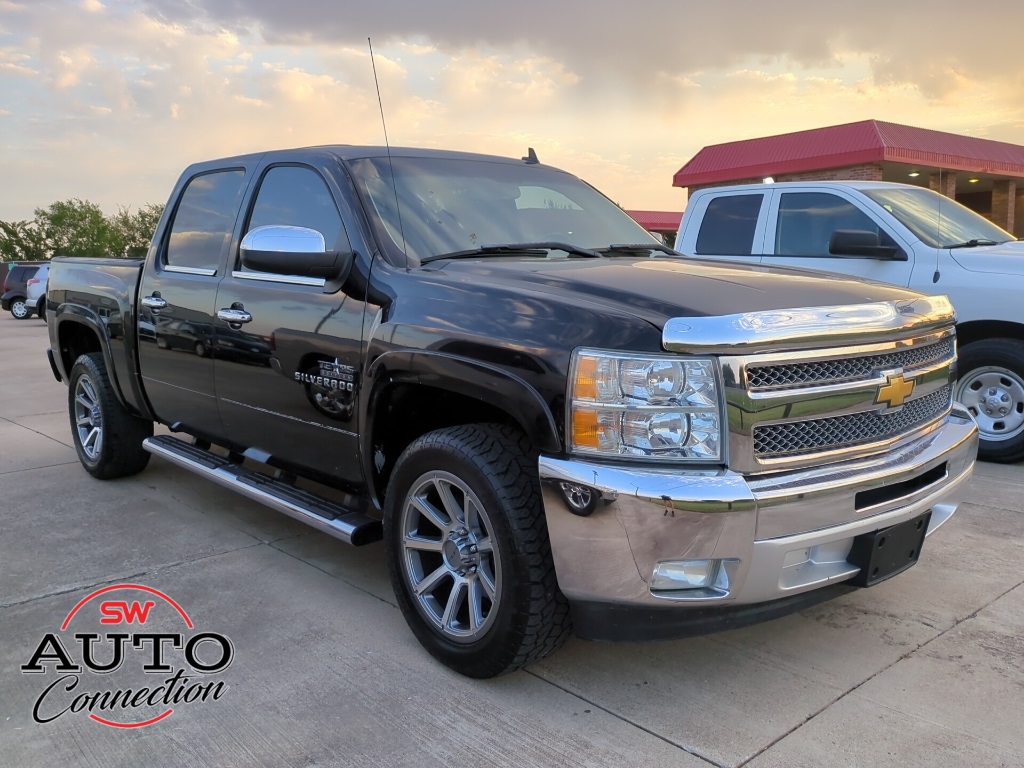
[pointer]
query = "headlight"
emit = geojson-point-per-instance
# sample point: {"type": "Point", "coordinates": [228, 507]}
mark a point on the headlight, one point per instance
{"type": "Point", "coordinates": [647, 406]}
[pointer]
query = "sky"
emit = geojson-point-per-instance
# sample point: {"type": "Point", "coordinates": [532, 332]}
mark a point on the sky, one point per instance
{"type": "Point", "coordinates": [109, 100]}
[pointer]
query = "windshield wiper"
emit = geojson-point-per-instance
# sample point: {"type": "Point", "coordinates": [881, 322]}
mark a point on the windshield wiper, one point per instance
{"type": "Point", "coordinates": [636, 248]}
{"type": "Point", "coordinates": [519, 249]}
{"type": "Point", "coordinates": [973, 244]}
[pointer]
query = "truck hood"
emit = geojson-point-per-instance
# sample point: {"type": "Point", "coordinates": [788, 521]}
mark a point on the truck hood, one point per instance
{"type": "Point", "coordinates": [657, 289]}
{"type": "Point", "coordinates": [1005, 259]}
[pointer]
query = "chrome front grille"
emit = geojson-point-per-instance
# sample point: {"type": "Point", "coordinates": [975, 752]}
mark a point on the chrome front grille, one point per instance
{"type": "Point", "coordinates": [816, 435]}
{"type": "Point", "coordinates": [766, 378]}
{"type": "Point", "coordinates": [793, 409]}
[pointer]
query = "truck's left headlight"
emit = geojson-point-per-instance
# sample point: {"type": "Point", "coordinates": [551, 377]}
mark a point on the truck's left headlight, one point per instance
{"type": "Point", "coordinates": [657, 407]}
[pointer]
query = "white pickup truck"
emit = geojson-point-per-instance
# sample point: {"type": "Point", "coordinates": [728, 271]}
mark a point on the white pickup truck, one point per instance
{"type": "Point", "coordinates": [899, 234]}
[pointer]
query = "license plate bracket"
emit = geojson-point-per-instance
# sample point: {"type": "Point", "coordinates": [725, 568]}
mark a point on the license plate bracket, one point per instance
{"type": "Point", "coordinates": [880, 555]}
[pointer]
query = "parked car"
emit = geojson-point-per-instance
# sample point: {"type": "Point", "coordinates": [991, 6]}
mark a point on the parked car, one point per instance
{"type": "Point", "coordinates": [16, 289]}
{"type": "Point", "coordinates": [35, 291]}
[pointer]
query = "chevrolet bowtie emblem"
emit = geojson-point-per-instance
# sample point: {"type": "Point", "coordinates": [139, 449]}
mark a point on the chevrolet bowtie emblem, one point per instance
{"type": "Point", "coordinates": [895, 390]}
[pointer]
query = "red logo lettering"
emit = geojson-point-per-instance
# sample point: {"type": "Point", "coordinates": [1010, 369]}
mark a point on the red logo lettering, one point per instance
{"type": "Point", "coordinates": [119, 611]}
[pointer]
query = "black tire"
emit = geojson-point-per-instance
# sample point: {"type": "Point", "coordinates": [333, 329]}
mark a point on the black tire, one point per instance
{"type": "Point", "coordinates": [41, 308]}
{"type": "Point", "coordinates": [108, 439]}
{"type": "Point", "coordinates": [20, 310]}
{"type": "Point", "coordinates": [488, 470]}
{"type": "Point", "coordinates": [991, 386]}
{"type": "Point", "coordinates": [580, 499]}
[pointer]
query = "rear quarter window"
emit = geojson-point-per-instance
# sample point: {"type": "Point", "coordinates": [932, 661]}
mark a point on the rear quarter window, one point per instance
{"type": "Point", "coordinates": [728, 226]}
{"type": "Point", "coordinates": [204, 220]}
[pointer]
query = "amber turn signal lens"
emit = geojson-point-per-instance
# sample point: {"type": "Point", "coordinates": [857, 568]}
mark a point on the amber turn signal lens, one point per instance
{"type": "Point", "coordinates": [585, 429]}
{"type": "Point", "coordinates": [586, 379]}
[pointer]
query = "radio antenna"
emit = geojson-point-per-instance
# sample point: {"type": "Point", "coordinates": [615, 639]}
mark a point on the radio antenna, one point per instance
{"type": "Point", "coordinates": [938, 229]}
{"type": "Point", "coordinates": [387, 145]}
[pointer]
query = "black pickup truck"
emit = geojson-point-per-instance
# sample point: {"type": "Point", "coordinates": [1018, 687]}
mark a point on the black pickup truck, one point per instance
{"type": "Point", "coordinates": [553, 421]}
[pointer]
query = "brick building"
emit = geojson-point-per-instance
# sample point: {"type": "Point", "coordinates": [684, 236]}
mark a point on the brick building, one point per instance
{"type": "Point", "coordinates": [986, 176]}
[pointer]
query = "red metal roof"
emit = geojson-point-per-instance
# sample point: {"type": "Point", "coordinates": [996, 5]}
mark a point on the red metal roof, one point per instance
{"type": "Point", "coordinates": [869, 141]}
{"type": "Point", "coordinates": [659, 221]}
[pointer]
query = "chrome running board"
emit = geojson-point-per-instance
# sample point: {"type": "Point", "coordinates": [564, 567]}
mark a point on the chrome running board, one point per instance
{"type": "Point", "coordinates": [351, 526]}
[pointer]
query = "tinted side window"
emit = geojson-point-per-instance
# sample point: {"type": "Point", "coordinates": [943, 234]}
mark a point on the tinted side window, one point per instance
{"type": "Point", "coordinates": [808, 219]}
{"type": "Point", "coordinates": [728, 225]}
{"type": "Point", "coordinates": [298, 197]}
{"type": "Point", "coordinates": [203, 222]}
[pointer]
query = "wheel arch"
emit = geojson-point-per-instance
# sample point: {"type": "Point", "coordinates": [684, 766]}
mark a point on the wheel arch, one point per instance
{"type": "Point", "coordinates": [80, 332]}
{"type": "Point", "coordinates": [976, 330]}
{"type": "Point", "coordinates": [412, 393]}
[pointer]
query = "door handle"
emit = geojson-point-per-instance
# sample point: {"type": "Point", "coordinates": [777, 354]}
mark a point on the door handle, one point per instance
{"type": "Point", "coordinates": [234, 316]}
{"type": "Point", "coordinates": [154, 302]}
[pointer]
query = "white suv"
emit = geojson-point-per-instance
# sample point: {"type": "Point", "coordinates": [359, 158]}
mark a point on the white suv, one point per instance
{"type": "Point", "coordinates": [35, 291]}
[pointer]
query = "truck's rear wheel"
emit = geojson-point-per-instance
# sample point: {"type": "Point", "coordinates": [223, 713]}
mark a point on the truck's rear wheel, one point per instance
{"type": "Point", "coordinates": [991, 386]}
{"type": "Point", "coordinates": [107, 437]}
{"type": "Point", "coordinates": [468, 551]}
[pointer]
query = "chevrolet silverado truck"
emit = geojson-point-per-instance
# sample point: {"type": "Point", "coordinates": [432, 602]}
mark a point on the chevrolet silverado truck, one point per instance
{"type": "Point", "coordinates": [553, 421]}
{"type": "Point", "coordinates": [900, 234]}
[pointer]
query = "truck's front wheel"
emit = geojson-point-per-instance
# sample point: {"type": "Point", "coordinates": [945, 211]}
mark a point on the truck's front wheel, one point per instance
{"type": "Point", "coordinates": [107, 437]}
{"type": "Point", "coordinates": [991, 386]}
{"type": "Point", "coordinates": [468, 551]}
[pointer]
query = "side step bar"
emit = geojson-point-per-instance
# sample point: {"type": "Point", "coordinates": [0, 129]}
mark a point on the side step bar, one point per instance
{"type": "Point", "coordinates": [352, 527]}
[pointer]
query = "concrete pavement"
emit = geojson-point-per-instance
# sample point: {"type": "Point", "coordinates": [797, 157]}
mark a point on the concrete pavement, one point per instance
{"type": "Point", "coordinates": [926, 669]}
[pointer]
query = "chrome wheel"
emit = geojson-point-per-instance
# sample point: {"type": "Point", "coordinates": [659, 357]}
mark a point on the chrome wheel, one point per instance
{"type": "Point", "coordinates": [995, 398]}
{"type": "Point", "coordinates": [88, 418]}
{"type": "Point", "coordinates": [453, 568]}
{"type": "Point", "coordinates": [19, 309]}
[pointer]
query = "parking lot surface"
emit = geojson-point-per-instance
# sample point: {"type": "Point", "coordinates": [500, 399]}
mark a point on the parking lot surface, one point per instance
{"type": "Point", "coordinates": [925, 669]}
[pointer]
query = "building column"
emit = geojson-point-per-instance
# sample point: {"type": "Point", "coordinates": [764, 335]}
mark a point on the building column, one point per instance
{"type": "Point", "coordinates": [1004, 203]}
{"type": "Point", "coordinates": [943, 183]}
{"type": "Point", "coordinates": [1018, 219]}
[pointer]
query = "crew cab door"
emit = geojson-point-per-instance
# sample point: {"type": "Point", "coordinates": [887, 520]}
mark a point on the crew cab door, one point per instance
{"type": "Point", "coordinates": [177, 299]}
{"type": "Point", "coordinates": [287, 374]}
{"type": "Point", "coordinates": [800, 226]}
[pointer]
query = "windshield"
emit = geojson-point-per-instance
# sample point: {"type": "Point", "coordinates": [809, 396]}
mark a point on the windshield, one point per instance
{"type": "Point", "coordinates": [937, 220]}
{"type": "Point", "coordinates": [449, 205]}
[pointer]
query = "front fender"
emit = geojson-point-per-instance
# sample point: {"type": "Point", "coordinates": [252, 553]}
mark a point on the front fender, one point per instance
{"type": "Point", "coordinates": [472, 378]}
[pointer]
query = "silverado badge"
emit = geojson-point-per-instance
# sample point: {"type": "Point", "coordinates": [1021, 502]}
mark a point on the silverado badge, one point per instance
{"type": "Point", "coordinates": [330, 388]}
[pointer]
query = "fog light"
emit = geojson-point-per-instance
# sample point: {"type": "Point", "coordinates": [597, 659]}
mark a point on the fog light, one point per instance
{"type": "Point", "coordinates": [689, 574]}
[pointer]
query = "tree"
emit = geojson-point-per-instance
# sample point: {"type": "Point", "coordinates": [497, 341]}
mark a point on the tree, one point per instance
{"type": "Point", "coordinates": [22, 241]}
{"type": "Point", "coordinates": [75, 228]}
{"type": "Point", "coordinates": [131, 232]}
{"type": "Point", "coordinates": [79, 228]}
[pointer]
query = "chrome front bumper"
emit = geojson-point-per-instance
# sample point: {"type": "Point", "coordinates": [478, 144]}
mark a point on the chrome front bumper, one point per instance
{"type": "Point", "coordinates": [781, 534]}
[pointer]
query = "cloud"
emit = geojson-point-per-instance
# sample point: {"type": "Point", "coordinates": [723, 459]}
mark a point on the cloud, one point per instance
{"type": "Point", "coordinates": [909, 40]}
{"type": "Point", "coordinates": [15, 63]}
{"type": "Point", "coordinates": [109, 101]}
